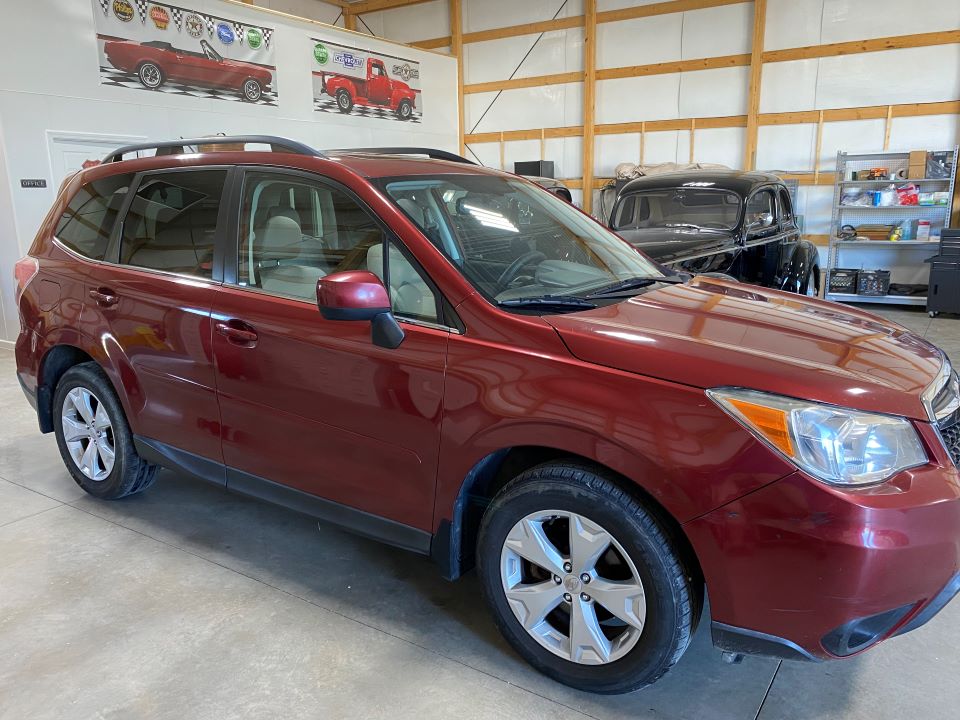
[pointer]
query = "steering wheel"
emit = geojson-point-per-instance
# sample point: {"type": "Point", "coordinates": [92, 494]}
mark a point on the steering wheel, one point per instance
{"type": "Point", "coordinates": [514, 268]}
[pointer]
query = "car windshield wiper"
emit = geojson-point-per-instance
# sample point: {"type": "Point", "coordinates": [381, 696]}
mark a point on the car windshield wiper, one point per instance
{"type": "Point", "coordinates": [563, 302]}
{"type": "Point", "coordinates": [635, 284]}
{"type": "Point", "coordinates": [692, 226]}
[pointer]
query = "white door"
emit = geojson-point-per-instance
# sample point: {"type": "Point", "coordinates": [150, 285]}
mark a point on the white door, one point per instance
{"type": "Point", "coordinates": [70, 151]}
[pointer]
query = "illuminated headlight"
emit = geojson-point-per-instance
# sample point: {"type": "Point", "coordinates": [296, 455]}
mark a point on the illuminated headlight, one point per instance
{"type": "Point", "coordinates": [833, 444]}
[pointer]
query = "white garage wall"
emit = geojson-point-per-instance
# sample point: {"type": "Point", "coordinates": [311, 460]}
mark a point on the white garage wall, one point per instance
{"type": "Point", "coordinates": [49, 83]}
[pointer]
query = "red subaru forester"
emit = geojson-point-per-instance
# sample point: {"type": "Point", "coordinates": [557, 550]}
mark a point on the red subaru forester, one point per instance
{"type": "Point", "coordinates": [493, 378]}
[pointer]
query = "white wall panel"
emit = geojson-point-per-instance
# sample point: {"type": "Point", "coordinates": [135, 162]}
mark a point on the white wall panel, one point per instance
{"type": "Point", "coordinates": [654, 97]}
{"type": "Point", "coordinates": [850, 136]}
{"type": "Point", "coordinates": [924, 74]}
{"type": "Point", "coordinates": [554, 52]}
{"type": "Point", "coordinates": [310, 9]}
{"type": "Point", "coordinates": [611, 150]}
{"type": "Point", "coordinates": [718, 145]}
{"type": "Point", "coordinates": [525, 108]}
{"type": "Point", "coordinates": [639, 42]}
{"type": "Point", "coordinates": [662, 147]}
{"type": "Point", "coordinates": [933, 132]}
{"type": "Point", "coordinates": [792, 23]}
{"type": "Point", "coordinates": [786, 86]}
{"type": "Point", "coordinates": [724, 30]}
{"type": "Point", "coordinates": [491, 14]}
{"type": "Point", "coordinates": [709, 93]}
{"type": "Point", "coordinates": [407, 24]}
{"type": "Point", "coordinates": [846, 20]}
{"type": "Point", "coordinates": [786, 147]}
{"type": "Point", "coordinates": [816, 207]}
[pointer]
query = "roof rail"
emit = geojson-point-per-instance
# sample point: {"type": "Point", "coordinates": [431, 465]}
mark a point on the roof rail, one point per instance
{"type": "Point", "coordinates": [178, 147]}
{"type": "Point", "coordinates": [429, 152]}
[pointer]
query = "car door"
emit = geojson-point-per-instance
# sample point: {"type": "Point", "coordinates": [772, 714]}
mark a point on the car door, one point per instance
{"type": "Point", "coordinates": [378, 86]}
{"type": "Point", "coordinates": [313, 404]}
{"type": "Point", "coordinates": [762, 235]}
{"type": "Point", "coordinates": [150, 304]}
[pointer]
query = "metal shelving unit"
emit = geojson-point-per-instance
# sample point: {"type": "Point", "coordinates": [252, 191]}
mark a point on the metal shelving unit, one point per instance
{"type": "Point", "coordinates": [938, 215]}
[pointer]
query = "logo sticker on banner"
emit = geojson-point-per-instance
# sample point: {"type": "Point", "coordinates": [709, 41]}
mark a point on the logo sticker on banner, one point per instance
{"type": "Point", "coordinates": [347, 60]}
{"type": "Point", "coordinates": [320, 54]}
{"type": "Point", "coordinates": [225, 33]}
{"type": "Point", "coordinates": [216, 58]}
{"type": "Point", "coordinates": [123, 10]}
{"type": "Point", "coordinates": [160, 17]}
{"type": "Point", "coordinates": [194, 25]}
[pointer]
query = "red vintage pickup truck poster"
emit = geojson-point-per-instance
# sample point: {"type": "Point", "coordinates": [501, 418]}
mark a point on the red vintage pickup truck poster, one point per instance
{"type": "Point", "coordinates": [358, 82]}
{"type": "Point", "coordinates": [177, 50]}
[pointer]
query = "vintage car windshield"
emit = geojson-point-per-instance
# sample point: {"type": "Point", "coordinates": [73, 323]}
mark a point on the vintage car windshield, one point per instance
{"type": "Point", "coordinates": [210, 52]}
{"type": "Point", "coordinates": [706, 208]}
{"type": "Point", "coordinates": [513, 240]}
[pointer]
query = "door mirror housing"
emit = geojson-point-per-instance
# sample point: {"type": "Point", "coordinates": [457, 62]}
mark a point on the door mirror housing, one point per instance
{"type": "Point", "coordinates": [762, 222]}
{"type": "Point", "coordinates": [360, 295]}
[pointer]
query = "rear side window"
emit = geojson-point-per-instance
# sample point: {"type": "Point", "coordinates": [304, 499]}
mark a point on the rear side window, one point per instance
{"type": "Point", "coordinates": [172, 222]}
{"type": "Point", "coordinates": [86, 224]}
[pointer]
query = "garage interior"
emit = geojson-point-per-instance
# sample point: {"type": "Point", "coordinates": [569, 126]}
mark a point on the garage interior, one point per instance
{"type": "Point", "coordinates": [191, 602]}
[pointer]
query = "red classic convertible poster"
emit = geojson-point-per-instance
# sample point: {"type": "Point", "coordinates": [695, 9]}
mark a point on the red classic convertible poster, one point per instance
{"type": "Point", "coordinates": [181, 51]}
{"type": "Point", "coordinates": [352, 81]}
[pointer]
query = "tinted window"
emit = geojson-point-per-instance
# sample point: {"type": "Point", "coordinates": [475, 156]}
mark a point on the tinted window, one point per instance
{"type": "Point", "coordinates": [172, 222]}
{"type": "Point", "coordinates": [294, 231]}
{"type": "Point", "coordinates": [760, 204]}
{"type": "Point", "coordinates": [86, 224]}
{"type": "Point", "coordinates": [678, 207]}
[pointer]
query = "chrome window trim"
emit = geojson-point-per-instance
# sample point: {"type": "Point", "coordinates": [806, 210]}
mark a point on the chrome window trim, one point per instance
{"type": "Point", "coordinates": [944, 376]}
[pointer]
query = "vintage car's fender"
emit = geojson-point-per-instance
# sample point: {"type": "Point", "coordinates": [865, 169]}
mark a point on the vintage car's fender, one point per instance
{"type": "Point", "coordinates": [795, 269]}
{"type": "Point", "coordinates": [337, 83]}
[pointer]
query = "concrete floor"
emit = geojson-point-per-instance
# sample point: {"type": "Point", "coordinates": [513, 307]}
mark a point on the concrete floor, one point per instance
{"type": "Point", "coordinates": [189, 602]}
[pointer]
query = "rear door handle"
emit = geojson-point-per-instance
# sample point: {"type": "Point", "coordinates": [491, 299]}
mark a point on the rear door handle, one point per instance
{"type": "Point", "coordinates": [238, 332]}
{"type": "Point", "coordinates": [105, 297]}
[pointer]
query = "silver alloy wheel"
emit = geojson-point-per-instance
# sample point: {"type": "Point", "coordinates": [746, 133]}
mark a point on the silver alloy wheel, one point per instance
{"type": "Point", "coordinates": [150, 75]}
{"type": "Point", "coordinates": [252, 90]}
{"type": "Point", "coordinates": [573, 587]}
{"type": "Point", "coordinates": [88, 433]}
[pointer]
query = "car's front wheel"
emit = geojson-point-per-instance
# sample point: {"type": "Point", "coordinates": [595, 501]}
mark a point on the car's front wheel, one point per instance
{"type": "Point", "coordinates": [584, 581]}
{"type": "Point", "coordinates": [150, 75]}
{"type": "Point", "coordinates": [94, 437]}
{"type": "Point", "coordinates": [252, 90]}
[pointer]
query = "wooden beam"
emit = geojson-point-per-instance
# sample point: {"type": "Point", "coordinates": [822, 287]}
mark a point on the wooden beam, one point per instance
{"type": "Point", "coordinates": [887, 127]}
{"type": "Point", "coordinates": [349, 21]}
{"type": "Point", "coordinates": [895, 42]}
{"type": "Point", "coordinates": [510, 135]}
{"type": "Point", "coordinates": [818, 148]}
{"type": "Point", "coordinates": [434, 43]}
{"type": "Point", "coordinates": [756, 70]}
{"type": "Point", "coordinates": [524, 82]}
{"type": "Point", "coordinates": [662, 8]}
{"type": "Point", "coordinates": [527, 29]}
{"type": "Point", "coordinates": [589, 97]}
{"type": "Point", "coordinates": [456, 47]}
{"type": "Point", "coordinates": [677, 66]}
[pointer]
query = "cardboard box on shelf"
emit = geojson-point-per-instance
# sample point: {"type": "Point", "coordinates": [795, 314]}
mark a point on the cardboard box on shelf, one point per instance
{"type": "Point", "coordinates": [917, 169]}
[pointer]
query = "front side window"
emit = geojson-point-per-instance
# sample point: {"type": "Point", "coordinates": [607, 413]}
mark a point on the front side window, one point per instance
{"type": "Point", "coordinates": [761, 212]}
{"type": "Point", "coordinates": [88, 220]}
{"type": "Point", "coordinates": [697, 208]}
{"type": "Point", "coordinates": [172, 222]}
{"type": "Point", "coordinates": [515, 241]}
{"type": "Point", "coordinates": [294, 231]}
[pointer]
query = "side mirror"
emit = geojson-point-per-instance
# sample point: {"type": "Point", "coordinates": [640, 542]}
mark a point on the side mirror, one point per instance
{"type": "Point", "coordinates": [359, 295]}
{"type": "Point", "coordinates": [761, 222]}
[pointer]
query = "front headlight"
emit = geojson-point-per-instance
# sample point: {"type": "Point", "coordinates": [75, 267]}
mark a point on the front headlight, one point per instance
{"type": "Point", "coordinates": [833, 444]}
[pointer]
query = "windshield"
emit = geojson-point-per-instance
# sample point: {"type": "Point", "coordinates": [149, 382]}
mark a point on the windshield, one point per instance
{"type": "Point", "coordinates": [513, 240]}
{"type": "Point", "coordinates": [677, 207]}
{"type": "Point", "coordinates": [210, 52]}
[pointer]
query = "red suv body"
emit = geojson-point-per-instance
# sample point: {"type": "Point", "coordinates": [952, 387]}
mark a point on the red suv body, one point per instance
{"type": "Point", "coordinates": [415, 424]}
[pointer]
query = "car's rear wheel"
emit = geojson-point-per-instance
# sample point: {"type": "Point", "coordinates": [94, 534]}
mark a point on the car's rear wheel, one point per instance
{"type": "Point", "coordinates": [405, 110]}
{"type": "Point", "coordinates": [150, 75]}
{"type": "Point", "coordinates": [584, 581]}
{"type": "Point", "coordinates": [344, 101]}
{"type": "Point", "coordinates": [252, 90]}
{"type": "Point", "coordinates": [94, 437]}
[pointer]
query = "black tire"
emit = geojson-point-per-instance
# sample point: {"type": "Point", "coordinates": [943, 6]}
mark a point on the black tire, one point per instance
{"type": "Point", "coordinates": [810, 285]}
{"type": "Point", "coordinates": [130, 473]}
{"type": "Point", "coordinates": [344, 101]}
{"type": "Point", "coordinates": [252, 90]}
{"type": "Point", "coordinates": [674, 593]}
{"type": "Point", "coordinates": [150, 75]}
{"type": "Point", "coordinates": [405, 110]}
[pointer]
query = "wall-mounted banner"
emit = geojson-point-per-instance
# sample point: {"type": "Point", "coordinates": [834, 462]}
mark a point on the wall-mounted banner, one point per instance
{"type": "Point", "coordinates": [177, 50]}
{"type": "Point", "coordinates": [357, 82]}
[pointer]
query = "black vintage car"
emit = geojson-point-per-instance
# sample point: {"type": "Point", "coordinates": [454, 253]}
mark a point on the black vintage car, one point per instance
{"type": "Point", "coordinates": [719, 221]}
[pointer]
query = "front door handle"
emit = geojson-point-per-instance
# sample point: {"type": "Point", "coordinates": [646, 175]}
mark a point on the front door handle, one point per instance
{"type": "Point", "coordinates": [105, 297]}
{"type": "Point", "coordinates": [238, 332]}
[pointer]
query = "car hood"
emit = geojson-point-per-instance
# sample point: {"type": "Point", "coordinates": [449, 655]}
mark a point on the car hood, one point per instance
{"type": "Point", "coordinates": [714, 333]}
{"type": "Point", "coordinates": [671, 244]}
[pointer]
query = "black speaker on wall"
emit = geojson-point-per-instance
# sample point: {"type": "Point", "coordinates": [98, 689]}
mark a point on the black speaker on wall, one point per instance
{"type": "Point", "coordinates": [536, 168]}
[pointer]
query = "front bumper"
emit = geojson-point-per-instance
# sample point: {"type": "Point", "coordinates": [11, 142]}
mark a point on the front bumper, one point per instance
{"type": "Point", "coordinates": [802, 570]}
